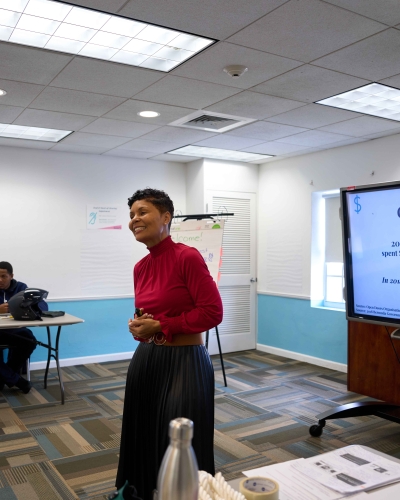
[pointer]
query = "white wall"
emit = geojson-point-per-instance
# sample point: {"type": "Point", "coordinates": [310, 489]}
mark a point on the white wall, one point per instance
{"type": "Point", "coordinates": [285, 187]}
{"type": "Point", "coordinates": [195, 203]}
{"type": "Point", "coordinates": [43, 198]}
{"type": "Point", "coordinates": [230, 176]}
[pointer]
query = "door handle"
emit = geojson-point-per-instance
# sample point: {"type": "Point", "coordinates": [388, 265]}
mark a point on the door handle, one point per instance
{"type": "Point", "coordinates": [253, 280]}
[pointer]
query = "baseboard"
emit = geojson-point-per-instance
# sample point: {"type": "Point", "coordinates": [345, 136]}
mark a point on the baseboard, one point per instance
{"type": "Point", "coordinates": [85, 360]}
{"type": "Point", "coordinates": [332, 365]}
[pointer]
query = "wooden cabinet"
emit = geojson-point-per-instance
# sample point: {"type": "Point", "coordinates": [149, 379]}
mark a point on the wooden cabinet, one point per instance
{"type": "Point", "coordinates": [373, 362]}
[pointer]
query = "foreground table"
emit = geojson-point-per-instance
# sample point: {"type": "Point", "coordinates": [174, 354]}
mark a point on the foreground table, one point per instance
{"type": "Point", "coordinates": [52, 352]}
{"type": "Point", "coordinates": [388, 492]}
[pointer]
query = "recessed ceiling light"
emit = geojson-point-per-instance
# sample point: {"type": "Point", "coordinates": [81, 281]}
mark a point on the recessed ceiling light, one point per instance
{"type": "Point", "coordinates": [32, 133]}
{"type": "Point", "coordinates": [219, 154]}
{"type": "Point", "coordinates": [66, 28]}
{"type": "Point", "coordinates": [2, 92]}
{"type": "Point", "coordinates": [148, 114]}
{"type": "Point", "coordinates": [373, 99]}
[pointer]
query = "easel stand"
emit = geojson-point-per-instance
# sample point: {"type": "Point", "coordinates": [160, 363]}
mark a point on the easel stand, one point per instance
{"type": "Point", "coordinates": [201, 217]}
{"type": "Point", "coordinates": [220, 352]}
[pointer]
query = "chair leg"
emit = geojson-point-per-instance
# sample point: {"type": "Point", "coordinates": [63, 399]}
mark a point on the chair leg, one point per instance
{"type": "Point", "coordinates": [28, 372]}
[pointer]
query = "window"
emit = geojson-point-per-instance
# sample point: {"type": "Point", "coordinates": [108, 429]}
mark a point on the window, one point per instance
{"type": "Point", "coordinates": [334, 283]}
{"type": "Point", "coordinates": [327, 273]}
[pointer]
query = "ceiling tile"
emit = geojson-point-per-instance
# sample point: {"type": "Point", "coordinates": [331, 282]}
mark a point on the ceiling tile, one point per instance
{"type": "Point", "coordinates": [375, 58]}
{"type": "Point", "coordinates": [208, 66]}
{"type": "Point", "coordinates": [393, 81]}
{"type": "Point", "coordinates": [118, 127]}
{"type": "Point", "coordinates": [275, 148]}
{"type": "Point", "coordinates": [22, 143]}
{"type": "Point", "coordinates": [377, 135]}
{"type": "Point", "coordinates": [95, 140]}
{"type": "Point", "coordinates": [313, 138]}
{"type": "Point", "coordinates": [73, 101]}
{"type": "Point", "coordinates": [387, 12]}
{"type": "Point", "coordinates": [307, 29]}
{"type": "Point", "coordinates": [9, 113]}
{"type": "Point", "coordinates": [105, 5]}
{"type": "Point", "coordinates": [266, 131]}
{"type": "Point", "coordinates": [53, 119]}
{"type": "Point", "coordinates": [129, 111]}
{"type": "Point", "coordinates": [73, 148]}
{"type": "Point", "coordinates": [185, 92]}
{"type": "Point", "coordinates": [126, 153]}
{"type": "Point", "coordinates": [365, 125]}
{"type": "Point", "coordinates": [18, 93]}
{"type": "Point", "coordinates": [154, 147]}
{"type": "Point", "coordinates": [225, 141]}
{"type": "Point", "coordinates": [207, 18]}
{"type": "Point", "coordinates": [105, 77]}
{"type": "Point", "coordinates": [26, 64]}
{"type": "Point", "coordinates": [177, 158]}
{"type": "Point", "coordinates": [309, 84]}
{"type": "Point", "coordinates": [177, 135]}
{"type": "Point", "coordinates": [254, 105]}
{"type": "Point", "coordinates": [313, 116]}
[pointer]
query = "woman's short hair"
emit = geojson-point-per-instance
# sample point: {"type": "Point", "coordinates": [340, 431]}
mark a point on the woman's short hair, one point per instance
{"type": "Point", "coordinates": [158, 198]}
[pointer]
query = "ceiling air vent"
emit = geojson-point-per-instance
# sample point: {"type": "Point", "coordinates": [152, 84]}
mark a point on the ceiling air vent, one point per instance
{"type": "Point", "coordinates": [213, 122]}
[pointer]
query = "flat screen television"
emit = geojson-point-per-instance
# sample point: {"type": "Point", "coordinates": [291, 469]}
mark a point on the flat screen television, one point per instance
{"type": "Point", "coordinates": [371, 250]}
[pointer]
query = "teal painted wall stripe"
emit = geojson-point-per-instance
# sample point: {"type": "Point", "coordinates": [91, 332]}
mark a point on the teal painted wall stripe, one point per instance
{"type": "Point", "coordinates": [294, 325]}
{"type": "Point", "coordinates": [105, 330]}
{"type": "Point", "coordinates": [286, 323]}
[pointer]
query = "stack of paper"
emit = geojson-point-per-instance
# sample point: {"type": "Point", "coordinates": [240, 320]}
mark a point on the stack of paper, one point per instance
{"type": "Point", "coordinates": [331, 476]}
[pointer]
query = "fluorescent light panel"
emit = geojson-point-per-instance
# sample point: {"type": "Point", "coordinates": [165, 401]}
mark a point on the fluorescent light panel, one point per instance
{"type": "Point", "coordinates": [32, 133]}
{"type": "Point", "coordinates": [219, 154]}
{"type": "Point", "coordinates": [75, 30]}
{"type": "Point", "coordinates": [373, 99]}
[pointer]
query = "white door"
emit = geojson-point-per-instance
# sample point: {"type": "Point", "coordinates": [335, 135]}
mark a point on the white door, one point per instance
{"type": "Point", "coordinates": [237, 286]}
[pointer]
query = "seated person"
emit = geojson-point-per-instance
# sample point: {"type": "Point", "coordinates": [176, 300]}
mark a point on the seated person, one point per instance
{"type": "Point", "coordinates": [22, 340]}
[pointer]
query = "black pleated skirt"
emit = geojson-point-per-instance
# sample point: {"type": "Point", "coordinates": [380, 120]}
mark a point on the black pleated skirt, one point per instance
{"type": "Point", "coordinates": [163, 383]}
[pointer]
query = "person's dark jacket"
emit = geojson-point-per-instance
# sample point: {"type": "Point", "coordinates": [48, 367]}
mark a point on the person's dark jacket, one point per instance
{"type": "Point", "coordinates": [15, 287]}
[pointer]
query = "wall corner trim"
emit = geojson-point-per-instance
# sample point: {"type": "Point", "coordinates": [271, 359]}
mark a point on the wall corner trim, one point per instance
{"type": "Point", "coordinates": [325, 363]}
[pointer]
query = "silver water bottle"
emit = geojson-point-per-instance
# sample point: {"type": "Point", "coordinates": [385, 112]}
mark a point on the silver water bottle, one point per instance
{"type": "Point", "coordinates": [178, 478]}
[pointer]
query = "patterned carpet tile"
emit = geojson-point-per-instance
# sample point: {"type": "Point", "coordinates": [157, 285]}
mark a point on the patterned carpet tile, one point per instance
{"type": "Point", "coordinates": [107, 403]}
{"type": "Point", "coordinates": [39, 481]}
{"type": "Point", "coordinates": [273, 398]}
{"type": "Point", "coordinates": [99, 385]}
{"type": "Point", "coordinates": [229, 409]}
{"type": "Point", "coordinates": [241, 429]}
{"type": "Point", "coordinates": [42, 415]}
{"type": "Point", "coordinates": [228, 450]}
{"type": "Point", "coordinates": [38, 395]}
{"type": "Point", "coordinates": [86, 436]}
{"type": "Point", "coordinates": [89, 475]}
{"type": "Point", "coordinates": [19, 449]}
{"type": "Point", "coordinates": [53, 451]}
{"type": "Point", "coordinates": [74, 373]}
{"type": "Point", "coordinates": [287, 432]}
{"type": "Point", "coordinates": [9, 422]}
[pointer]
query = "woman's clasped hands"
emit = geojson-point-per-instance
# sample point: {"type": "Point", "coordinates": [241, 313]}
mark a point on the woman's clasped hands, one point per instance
{"type": "Point", "coordinates": [144, 326]}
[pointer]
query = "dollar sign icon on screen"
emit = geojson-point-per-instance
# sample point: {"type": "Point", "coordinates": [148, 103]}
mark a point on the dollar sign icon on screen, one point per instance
{"type": "Point", "coordinates": [358, 209]}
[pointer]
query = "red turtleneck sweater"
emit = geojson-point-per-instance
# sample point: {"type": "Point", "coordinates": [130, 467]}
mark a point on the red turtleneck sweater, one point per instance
{"type": "Point", "coordinates": [174, 285]}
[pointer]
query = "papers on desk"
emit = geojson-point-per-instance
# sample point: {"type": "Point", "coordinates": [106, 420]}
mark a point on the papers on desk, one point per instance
{"type": "Point", "coordinates": [351, 469]}
{"type": "Point", "coordinates": [332, 475]}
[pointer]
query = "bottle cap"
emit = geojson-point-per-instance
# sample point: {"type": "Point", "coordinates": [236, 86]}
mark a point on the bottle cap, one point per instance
{"type": "Point", "coordinates": [181, 428]}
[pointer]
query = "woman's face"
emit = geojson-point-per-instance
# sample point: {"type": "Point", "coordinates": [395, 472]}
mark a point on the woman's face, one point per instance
{"type": "Point", "coordinates": [147, 224]}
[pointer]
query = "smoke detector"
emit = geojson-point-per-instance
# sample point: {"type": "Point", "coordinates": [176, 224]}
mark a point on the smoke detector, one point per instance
{"type": "Point", "coordinates": [212, 122]}
{"type": "Point", "coordinates": [235, 70]}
